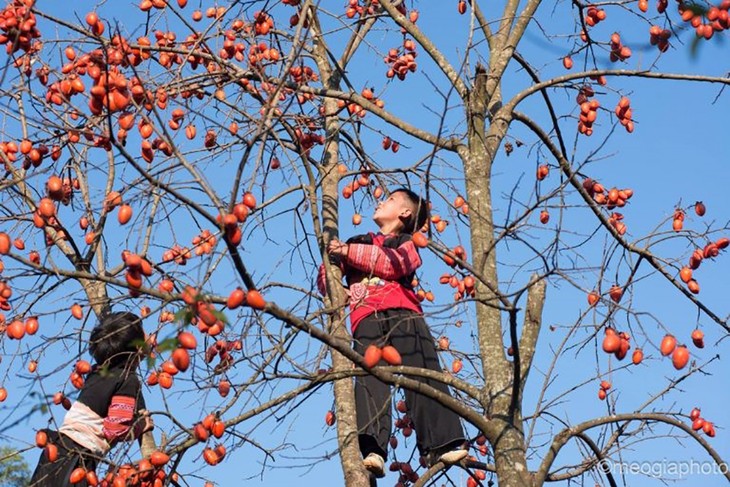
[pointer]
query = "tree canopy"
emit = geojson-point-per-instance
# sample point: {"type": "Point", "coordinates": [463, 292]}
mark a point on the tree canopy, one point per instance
{"type": "Point", "coordinates": [190, 162]}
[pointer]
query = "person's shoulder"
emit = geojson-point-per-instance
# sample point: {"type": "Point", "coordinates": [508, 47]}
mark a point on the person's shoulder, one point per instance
{"type": "Point", "coordinates": [114, 372]}
{"type": "Point", "coordinates": [365, 238]}
{"type": "Point", "coordinates": [397, 239]}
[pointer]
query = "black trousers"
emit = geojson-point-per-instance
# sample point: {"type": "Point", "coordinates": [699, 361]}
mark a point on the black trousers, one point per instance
{"type": "Point", "coordinates": [435, 425]}
{"type": "Point", "coordinates": [71, 455]}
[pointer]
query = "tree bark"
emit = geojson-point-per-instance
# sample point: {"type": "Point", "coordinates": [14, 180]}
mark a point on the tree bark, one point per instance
{"type": "Point", "coordinates": [344, 389]}
{"type": "Point", "coordinates": [505, 431]}
{"type": "Point", "coordinates": [510, 457]}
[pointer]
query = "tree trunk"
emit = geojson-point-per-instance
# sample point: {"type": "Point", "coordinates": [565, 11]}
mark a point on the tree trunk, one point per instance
{"type": "Point", "coordinates": [510, 458]}
{"type": "Point", "coordinates": [344, 390]}
{"type": "Point", "coordinates": [505, 433]}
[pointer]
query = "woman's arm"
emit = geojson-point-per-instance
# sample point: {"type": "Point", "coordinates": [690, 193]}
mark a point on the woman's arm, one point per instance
{"type": "Point", "coordinates": [119, 418]}
{"type": "Point", "coordinates": [385, 263]}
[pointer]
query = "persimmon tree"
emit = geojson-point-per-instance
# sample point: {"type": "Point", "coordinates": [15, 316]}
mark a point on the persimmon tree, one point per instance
{"type": "Point", "coordinates": [190, 161]}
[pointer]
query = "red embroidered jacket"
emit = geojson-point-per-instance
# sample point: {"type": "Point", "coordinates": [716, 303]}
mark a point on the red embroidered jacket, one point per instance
{"type": "Point", "coordinates": [379, 270]}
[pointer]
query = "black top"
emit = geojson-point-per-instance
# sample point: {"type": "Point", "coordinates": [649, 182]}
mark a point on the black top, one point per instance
{"type": "Point", "coordinates": [104, 383]}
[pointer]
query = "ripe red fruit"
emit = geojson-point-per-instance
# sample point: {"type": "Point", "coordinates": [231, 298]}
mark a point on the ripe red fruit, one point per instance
{"type": "Point", "coordinates": [124, 214]}
{"type": "Point", "coordinates": [236, 298]}
{"type": "Point", "coordinates": [77, 311]}
{"type": "Point", "coordinates": [255, 300]}
{"type": "Point", "coordinates": [611, 342]}
{"type": "Point", "coordinates": [420, 240]}
{"type": "Point", "coordinates": [15, 330]}
{"type": "Point", "coordinates": [615, 293]}
{"type": "Point", "coordinates": [700, 208]}
{"type": "Point", "coordinates": [624, 347]}
{"type": "Point", "coordinates": [31, 325]}
{"type": "Point", "coordinates": [249, 200]}
{"type": "Point", "coordinates": [680, 357]}
{"type": "Point", "coordinates": [218, 428]}
{"type": "Point", "coordinates": [41, 439]}
{"type": "Point", "coordinates": [32, 366]}
{"type": "Point", "coordinates": [330, 418]}
{"type": "Point", "coordinates": [153, 379]}
{"type": "Point", "coordinates": [92, 479]}
{"type": "Point", "coordinates": [189, 295]}
{"type": "Point", "coordinates": [26, 146]}
{"type": "Point", "coordinates": [181, 359]}
{"type": "Point", "coordinates": [58, 398]}
{"type": "Point", "coordinates": [694, 414]}
{"type": "Point", "coordinates": [112, 200]}
{"type": "Point", "coordinates": [77, 475]}
{"type": "Point", "coordinates": [601, 394]}
{"type": "Point", "coordinates": [693, 286]}
{"type": "Point", "coordinates": [92, 18]}
{"type": "Point", "coordinates": [637, 356]}
{"type": "Point", "coordinates": [169, 367]}
{"type": "Point", "coordinates": [210, 456]}
{"type": "Point", "coordinates": [391, 355]}
{"type": "Point", "coordinates": [208, 421]}
{"type": "Point", "coordinates": [164, 379]}
{"type": "Point", "coordinates": [544, 217]}
{"type": "Point", "coordinates": [710, 250]}
{"type": "Point", "coordinates": [166, 286]}
{"type": "Point", "coordinates": [698, 338]}
{"type": "Point", "coordinates": [373, 354]}
{"type": "Point", "coordinates": [51, 452]}
{"type": "Point", "coordinates": [158, 458]}
{"type": "Point", "coordinates": [593, 298]}
{"type": "Point", "coordinates": [145, 468]}
{"type": "Point", "coordinates": [669, 343]}
{"type": "Point", "coordinates": [187, 340]}
{"type": "Point", "coordinates": [241, 211]}
{"type": "Point", "coordinates": [4, 243]}
{"type": "Point", "coordinates": [46, 207]}
{"type": "Point", "coordinates": [685, 274]}
{"type": "Point", "coordinates": [83, 367]}
{"type": "Point", "coordinates": [698, 423]}
{"type": "Point", "coordinates": [200, 432]}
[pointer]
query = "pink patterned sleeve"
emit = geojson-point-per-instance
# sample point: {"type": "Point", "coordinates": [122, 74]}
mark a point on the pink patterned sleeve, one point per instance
{"type": "Point", "coordinates": [119, 418]}
{"type": "Point", "coordinates": [385, 263]}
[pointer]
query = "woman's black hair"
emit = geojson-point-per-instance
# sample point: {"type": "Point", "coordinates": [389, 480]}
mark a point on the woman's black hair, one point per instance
{"type": "Point", "coordinates": [117, 338]}
{"type": "Point", "coordinates": [419, 216]}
